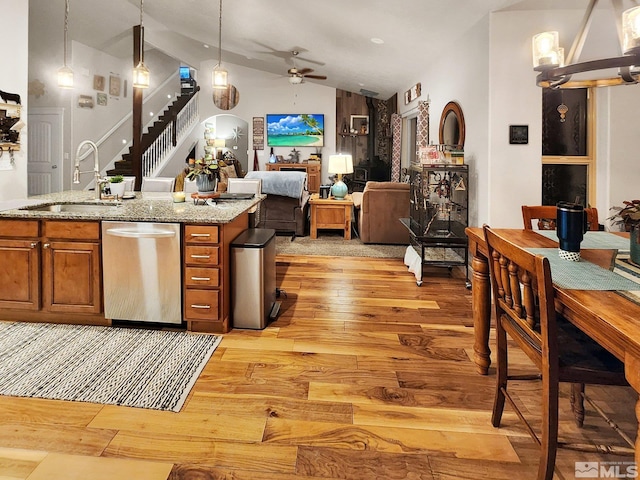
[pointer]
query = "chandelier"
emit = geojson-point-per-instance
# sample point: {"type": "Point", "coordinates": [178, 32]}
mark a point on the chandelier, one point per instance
{"type": "Point", "coordinates": [219, 73]}
{"type": "Point", "coordinates": [141, 74]}
{"type": "Point", "coordinates": [556, 71]}
{"type": "Point", "coordinates": [65, 74]}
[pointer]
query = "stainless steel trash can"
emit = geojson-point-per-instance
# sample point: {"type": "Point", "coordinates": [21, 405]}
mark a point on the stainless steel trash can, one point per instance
{"type": "Point", "coordinates": [253, 283]}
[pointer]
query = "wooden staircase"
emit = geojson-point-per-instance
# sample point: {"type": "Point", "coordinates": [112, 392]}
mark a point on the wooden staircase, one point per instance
{"type": "Point", "coordinates": [153, 137]}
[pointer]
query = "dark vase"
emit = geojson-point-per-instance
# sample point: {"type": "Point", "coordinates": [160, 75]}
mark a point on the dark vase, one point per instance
{"type": "Point", "coordinates": [206, 183]}
{"type": "Point", "coordinates": [634, 247]}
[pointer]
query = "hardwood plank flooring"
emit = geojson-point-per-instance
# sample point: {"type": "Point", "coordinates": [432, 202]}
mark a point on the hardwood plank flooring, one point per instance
{"type": "Point", "coordinates": [364, 375]}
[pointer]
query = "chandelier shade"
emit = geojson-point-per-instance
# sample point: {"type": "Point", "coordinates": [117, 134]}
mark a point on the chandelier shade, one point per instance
{"type": "Point", "coordinates": [220, 76]}
{"type": "Point", "coordinates": [65, 74]}
{"type": "Point", "coordinates": [141, 74]}
{"type": "Point", "coordinates": [556, 71]}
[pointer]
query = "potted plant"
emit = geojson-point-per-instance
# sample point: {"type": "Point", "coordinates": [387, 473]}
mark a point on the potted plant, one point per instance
{"type": "Point", "coordinates": [117, 185]}
{"type": "Point", "coordinates": [628, 217]}
{"type": "Point", "coordinates": [205, 172]}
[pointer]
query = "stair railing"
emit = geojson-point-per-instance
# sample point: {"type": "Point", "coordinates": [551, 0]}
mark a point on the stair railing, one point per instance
{"type": "Point", "coordinates": [162, 138]}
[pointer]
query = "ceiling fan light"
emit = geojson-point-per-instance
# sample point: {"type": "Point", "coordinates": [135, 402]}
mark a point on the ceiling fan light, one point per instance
{"type": "Point", "coordinates": [220, 77]}
{"type": "Point", "coordinates": [631, 31]}
{"type": "Point", "coordinates": [141, 76]}
{"type": "Point", "coordinates": [65, 77]}
{"type": "Point", "coordinates": [295, 79]}
{"type": "Point", "coordinates": [545, 47]}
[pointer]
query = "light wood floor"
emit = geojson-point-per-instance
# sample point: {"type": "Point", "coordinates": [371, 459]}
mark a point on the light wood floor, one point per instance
{"type": "Point", "coordinates": [364, 376]}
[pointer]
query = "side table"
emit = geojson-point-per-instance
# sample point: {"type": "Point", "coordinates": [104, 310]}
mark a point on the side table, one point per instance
{"type": "Point", "coordinates": [331, 214]}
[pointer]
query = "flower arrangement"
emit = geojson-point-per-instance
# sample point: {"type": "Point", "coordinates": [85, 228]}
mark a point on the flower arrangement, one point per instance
{"type": "Point", "coordinates": [626, 216]}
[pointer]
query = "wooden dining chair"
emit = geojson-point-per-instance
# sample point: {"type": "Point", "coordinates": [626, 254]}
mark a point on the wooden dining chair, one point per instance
{"type": "Point", "coordinates": [524, 309]}
{"type": "Point", "coordinates": [546, 217]}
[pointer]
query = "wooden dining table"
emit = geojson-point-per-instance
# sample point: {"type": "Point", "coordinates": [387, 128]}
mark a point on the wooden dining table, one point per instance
{"type": "Point", "coordinates": [609, 318]}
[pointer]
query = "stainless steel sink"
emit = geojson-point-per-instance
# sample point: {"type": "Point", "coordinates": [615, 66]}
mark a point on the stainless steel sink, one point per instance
{"type": "Point", "coordinates": [72, 208]}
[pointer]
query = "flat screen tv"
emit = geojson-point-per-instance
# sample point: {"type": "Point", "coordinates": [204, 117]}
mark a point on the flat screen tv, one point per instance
{"type": "Point", "coordinates": [185, 73]}
{"type": "Point", "coordinates": [295, 130]}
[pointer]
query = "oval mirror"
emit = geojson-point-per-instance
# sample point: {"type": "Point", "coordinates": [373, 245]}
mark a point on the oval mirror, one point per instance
{"type": "Point", "coordinates": [452, 126]}
{"type": "Point", "coordinates": [226, 98]}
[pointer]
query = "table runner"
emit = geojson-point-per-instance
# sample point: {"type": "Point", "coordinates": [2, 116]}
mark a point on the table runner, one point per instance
{"type": "Point", "coordinates": [594, 239]}
{"type": "Point", "coordinates": [585, 275]}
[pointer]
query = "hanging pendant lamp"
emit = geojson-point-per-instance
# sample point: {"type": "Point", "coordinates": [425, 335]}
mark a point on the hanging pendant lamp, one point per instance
{"type": "Point", "coordinates": [65, 74]}
{"type": "Point", "coordinates": [141, 74]}
{"type": "Point", "coordinates": [220, 79]}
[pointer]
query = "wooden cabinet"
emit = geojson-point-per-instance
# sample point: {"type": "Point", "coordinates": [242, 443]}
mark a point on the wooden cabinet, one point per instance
{"type": "Point", "coordinates": [52, 268]}
{"type": "Point", "coordinates": [20, 259]}
{"type": "Point", "coordinates": [201, 277]}
{"type": "Point", "coordinates": [207, 297]}
{"type": "Point", "coordinates": [313, 170]}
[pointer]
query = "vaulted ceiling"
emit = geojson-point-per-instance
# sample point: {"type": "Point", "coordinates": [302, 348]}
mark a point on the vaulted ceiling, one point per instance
{"type": "Point", "coordinates": [334, 37]}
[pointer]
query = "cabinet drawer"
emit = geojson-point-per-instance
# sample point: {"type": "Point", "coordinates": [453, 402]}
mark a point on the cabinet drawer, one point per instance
{"type": "Point", "coordinates": [72, 230]}
{"type": "Point", "coordinates": [201, 234]}
{"type": "Point", "coordinates": [19, 228]}
{"type": "Point", "coordinates": [201, 255]}
{"type": "Point", "coordinates": [201, 277]}
{"type": "Point", "coordinates": [201, 304]}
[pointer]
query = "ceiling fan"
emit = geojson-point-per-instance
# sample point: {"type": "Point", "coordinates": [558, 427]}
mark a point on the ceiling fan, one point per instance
{"type": "Point", "coordinates": [297, 75]}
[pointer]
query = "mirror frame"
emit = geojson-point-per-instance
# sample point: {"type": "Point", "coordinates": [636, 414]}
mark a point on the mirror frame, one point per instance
{"type": "Point", "coordinates": [454, 108]}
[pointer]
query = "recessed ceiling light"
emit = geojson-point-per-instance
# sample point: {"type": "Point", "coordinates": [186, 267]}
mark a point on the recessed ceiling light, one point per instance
{"type": "Point", "coordinates": [361, 84]}
{"type": "Point", "coordinates": [377, 40]}
{"type": "Point", "coordinates": [205, 45]}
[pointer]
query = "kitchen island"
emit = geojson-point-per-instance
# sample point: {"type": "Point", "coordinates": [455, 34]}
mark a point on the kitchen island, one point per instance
{"type": "Point", "coordinates": [51, 250]}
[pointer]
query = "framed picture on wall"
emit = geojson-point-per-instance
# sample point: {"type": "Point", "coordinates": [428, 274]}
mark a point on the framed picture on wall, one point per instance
{"type": "Point", "coordinates": [518, 134]}
{"type": "Point", "coordinates": [114, 86]}
{"type": "Point", "coordinates": [360, 124]}
{"type": "Point", "coordinates": [98, 83]}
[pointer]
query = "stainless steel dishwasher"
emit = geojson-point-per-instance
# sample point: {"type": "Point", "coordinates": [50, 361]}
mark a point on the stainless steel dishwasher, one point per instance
{"type": "Point", "coordinates": [141, 271]}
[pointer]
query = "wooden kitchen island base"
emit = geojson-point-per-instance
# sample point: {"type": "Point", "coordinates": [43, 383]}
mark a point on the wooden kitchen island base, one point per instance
{"type": "Point", "coordinates": [331, 213]}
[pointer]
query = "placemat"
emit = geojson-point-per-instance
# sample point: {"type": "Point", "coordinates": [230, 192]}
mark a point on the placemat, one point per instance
{"type": "Point", "coordinates": [584, 275]}
{"type": "Point", "coordinates": [594, 239]}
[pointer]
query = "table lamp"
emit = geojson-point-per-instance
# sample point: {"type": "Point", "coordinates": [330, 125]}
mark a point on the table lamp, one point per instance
{"type": "Point", "coordinates": [340, 164]}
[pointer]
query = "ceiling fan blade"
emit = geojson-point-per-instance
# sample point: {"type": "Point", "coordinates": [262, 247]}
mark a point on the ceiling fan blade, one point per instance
{"type": "Point", "coordinates": [304, 71]}
{"type": "Point", "coordinates": [317, 77]}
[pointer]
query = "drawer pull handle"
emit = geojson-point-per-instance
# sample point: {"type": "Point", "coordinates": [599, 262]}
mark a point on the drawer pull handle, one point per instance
{"type": "Point", "coordinates": [200, 256]}
{"type": "Point", "coordinates": [46, 245]}
{"type": "Point", "coordinates": [34, 244]}
{"type": "Point", "coordinates": [205, 307]}
{"type": "Point", "coordinates": [201, 279]}
{"type": "Point", "coordinates": [201, 235]}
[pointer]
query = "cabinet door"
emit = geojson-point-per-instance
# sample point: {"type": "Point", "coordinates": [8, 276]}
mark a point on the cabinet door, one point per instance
{"type": "Point", "coordinates": [71, 279]}
{"type": "Point", "coordinates": [19, 274]}
{"type": "Point", "coordinates": [313, 181]}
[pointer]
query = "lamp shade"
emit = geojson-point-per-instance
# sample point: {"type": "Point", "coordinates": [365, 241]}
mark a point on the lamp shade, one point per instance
{"type": "Point", "coordinates": [545, 50]}
{"type": "Point", "coordinates": [340, 164]}
{"type": "Point", "coordinates": [631, 30]}
{"type": "Point", "coordinates": [219, 143]}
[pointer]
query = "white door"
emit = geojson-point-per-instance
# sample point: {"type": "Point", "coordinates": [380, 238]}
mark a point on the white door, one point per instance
{"type": "Point", "coordinates": [44, 170]}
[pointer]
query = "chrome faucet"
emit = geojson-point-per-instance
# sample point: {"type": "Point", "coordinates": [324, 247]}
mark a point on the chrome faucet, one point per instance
{"type": "Point", "coordinates": [96, 167]}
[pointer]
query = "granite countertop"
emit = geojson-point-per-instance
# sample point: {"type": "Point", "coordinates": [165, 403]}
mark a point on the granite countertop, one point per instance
{"type": "Point", "coordinates": [146, 207]}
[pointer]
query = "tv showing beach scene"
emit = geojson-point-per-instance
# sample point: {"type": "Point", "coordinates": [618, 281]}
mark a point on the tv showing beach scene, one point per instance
{"type": "Point", "coordinates": [289, 130]}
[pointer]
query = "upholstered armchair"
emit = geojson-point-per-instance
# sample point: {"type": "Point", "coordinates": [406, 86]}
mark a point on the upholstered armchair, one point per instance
{"type": "Point", "coordinates": [378, 211]}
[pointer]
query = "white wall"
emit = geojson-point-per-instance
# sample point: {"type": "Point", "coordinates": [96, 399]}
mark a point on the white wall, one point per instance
{"type": "Point", "coordinates": [262, 93]}
{"type": "Point", "coordinates": [461, 74]}
{"type": "Point", "coordinates": [515, 170]}
{"type": "Point", "coordinates": [13, 79]}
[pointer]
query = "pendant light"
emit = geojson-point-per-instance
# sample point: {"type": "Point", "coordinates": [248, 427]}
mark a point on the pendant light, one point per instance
{"type": "Point", "coordinates": [220, 74]}
{"type": "Point", "coordinates": [141, 73]}
{"type": "Point", "coordinates": [65, 74]}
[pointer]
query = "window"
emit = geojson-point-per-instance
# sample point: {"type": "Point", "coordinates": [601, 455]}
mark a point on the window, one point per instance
{"type": "Point", "coordinates": [568, 132]}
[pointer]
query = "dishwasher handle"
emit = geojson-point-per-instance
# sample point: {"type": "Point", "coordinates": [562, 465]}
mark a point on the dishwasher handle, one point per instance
{"type": "Point", "coordinates": [133, 233]}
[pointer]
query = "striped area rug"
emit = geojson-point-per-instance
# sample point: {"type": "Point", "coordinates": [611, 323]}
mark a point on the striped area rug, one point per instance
{"type": "Point", "coordinates": [107, 365]}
